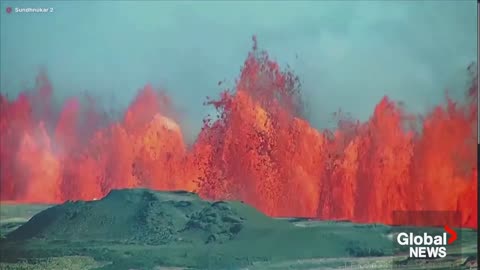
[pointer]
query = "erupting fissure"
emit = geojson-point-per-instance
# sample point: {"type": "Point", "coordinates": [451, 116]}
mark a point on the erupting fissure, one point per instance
{"type": "Point", "coordinates": [259, 150]}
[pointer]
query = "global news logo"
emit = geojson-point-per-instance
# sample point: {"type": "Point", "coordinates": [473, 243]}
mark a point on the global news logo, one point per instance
{"type": "Point", "coordinates": [426, 245]}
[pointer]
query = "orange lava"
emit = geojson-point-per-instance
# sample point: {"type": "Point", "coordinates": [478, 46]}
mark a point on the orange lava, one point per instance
{"type": "Point", "coordinates": [259, 150]}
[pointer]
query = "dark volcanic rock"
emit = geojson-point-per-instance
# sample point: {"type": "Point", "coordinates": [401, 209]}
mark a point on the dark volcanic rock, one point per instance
{"type": "Point", "coordinates": [217, 222]}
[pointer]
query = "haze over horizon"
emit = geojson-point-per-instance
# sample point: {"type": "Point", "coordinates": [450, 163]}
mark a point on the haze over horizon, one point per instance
{"type": "Point", "coordinates": [347, 54]}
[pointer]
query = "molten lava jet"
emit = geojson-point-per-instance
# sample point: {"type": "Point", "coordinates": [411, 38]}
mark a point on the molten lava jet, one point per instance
{"type": "Point", "coordinates": [260, 150]}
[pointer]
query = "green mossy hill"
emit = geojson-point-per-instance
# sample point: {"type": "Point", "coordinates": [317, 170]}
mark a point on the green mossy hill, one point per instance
{"type": "Point", "coordinates": [133, 216]}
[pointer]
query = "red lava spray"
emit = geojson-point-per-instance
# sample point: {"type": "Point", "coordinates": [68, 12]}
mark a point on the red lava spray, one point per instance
{"type": "Point", "coordinates": [259, 150]}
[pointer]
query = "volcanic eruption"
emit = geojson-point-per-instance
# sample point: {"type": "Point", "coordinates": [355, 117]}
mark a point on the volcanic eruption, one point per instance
{"type": "Point", "coordinates": [260, 149]}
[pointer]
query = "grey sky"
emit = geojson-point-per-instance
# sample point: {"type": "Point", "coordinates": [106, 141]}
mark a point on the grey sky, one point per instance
{"type": "Point", "coordinates": [350, 54]}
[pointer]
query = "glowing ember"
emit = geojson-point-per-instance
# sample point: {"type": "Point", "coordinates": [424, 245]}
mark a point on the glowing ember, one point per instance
{"type": "Point", "coordinates": [260, 150]}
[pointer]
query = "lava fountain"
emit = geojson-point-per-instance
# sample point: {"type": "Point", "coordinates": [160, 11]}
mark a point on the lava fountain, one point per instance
{"type": "Point", "coordinates": [260, 150]}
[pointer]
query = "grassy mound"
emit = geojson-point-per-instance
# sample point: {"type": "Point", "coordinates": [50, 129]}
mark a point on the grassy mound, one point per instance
{"type": "Point", "coordinates": [141, 216]}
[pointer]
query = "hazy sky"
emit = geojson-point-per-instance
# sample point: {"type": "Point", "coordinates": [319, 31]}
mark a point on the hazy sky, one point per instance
{"type": "Point", "coordinates": [347, 54]}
